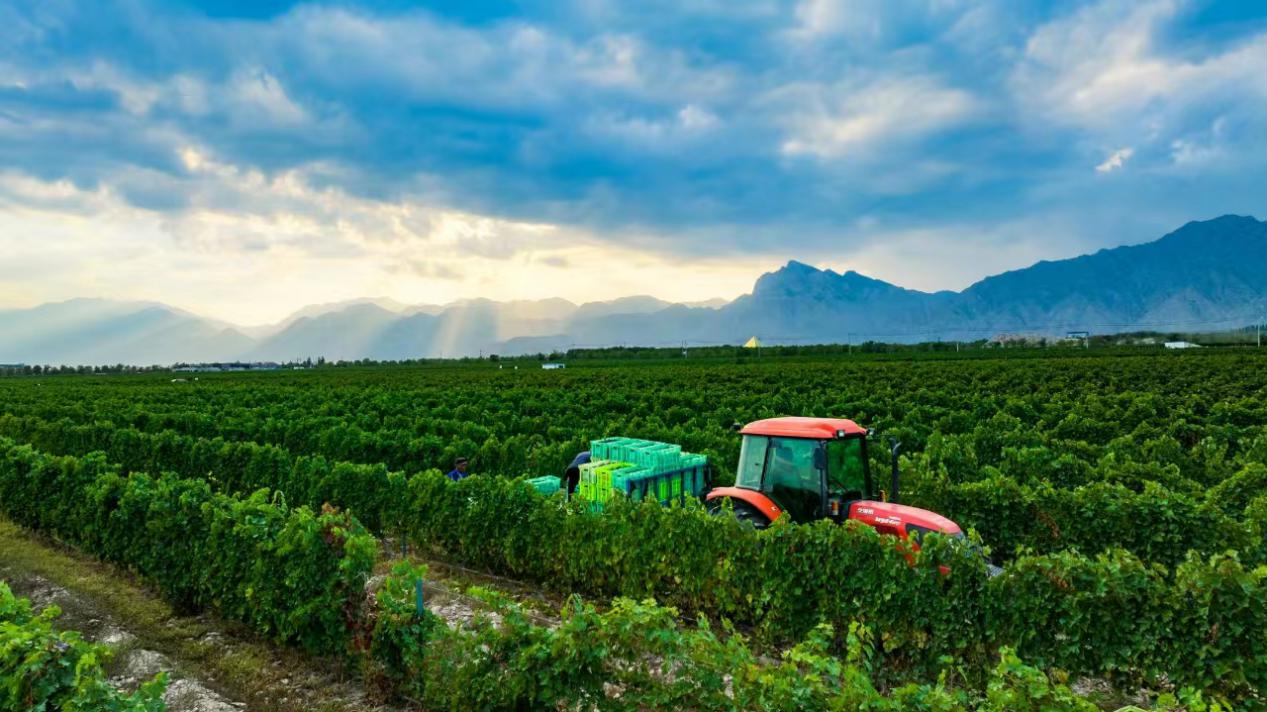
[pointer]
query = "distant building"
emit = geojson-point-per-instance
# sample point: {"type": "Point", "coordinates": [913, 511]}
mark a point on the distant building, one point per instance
{"type": "Point", "coordinates": [553, 366]}
{"type": "Point", "coordinates": [1182, 345]}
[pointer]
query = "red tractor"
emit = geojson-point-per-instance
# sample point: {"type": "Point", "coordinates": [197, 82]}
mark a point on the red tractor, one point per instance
{"type": "Point", "coordinates": [817, 468]}
{"type": "Point", "coordinates": [808, 469]}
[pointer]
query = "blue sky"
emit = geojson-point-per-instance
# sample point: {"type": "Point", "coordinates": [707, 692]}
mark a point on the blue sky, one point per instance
{"type": "Point", "coordinates": [242, 159]}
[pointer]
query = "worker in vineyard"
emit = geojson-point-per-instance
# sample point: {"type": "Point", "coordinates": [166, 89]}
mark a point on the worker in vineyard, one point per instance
{"type": "Point", "coordinates": [459, 470]}
{"type": "Point", "coordinates": [572, 475]}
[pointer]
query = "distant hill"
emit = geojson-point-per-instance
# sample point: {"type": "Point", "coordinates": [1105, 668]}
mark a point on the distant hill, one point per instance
{"type": "Point", "coordinates": [98, 331]}
{"type": "Point", "coordinates": [316, 310]}
{"type": "Point", "coordinates": [1204, 272]}
{"type": "Point", "coordinates": [1204, 276]}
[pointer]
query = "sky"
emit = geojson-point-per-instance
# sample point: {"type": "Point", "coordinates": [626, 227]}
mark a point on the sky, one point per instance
{"type": "Point", "coordinates": [241, 159]}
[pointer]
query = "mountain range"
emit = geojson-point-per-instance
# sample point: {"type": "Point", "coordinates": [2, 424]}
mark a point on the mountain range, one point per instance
{"type": "Point", "coordinates": [1204, 276]}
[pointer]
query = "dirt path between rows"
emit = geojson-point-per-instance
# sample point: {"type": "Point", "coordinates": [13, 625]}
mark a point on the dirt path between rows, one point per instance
{"type": "Point", "coordinates": [213, 665]}
{"type": "Point", "coordinates": [133, 663]}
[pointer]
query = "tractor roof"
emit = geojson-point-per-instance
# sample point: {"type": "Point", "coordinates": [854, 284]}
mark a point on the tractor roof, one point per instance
{"type": "Point", "coordinates": [795, 427]}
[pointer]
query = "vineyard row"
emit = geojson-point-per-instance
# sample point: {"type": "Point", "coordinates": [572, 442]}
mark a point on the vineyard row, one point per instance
{"type": "Point", "coordinates": [1113, 615]}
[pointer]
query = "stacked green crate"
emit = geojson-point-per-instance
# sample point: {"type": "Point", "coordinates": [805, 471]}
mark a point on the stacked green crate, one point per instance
{"type": "Point", "coordinates": [664, 461]}
{"type": "Point", "coordinates": [626, 480]}
{"type": "Point", "coordinates": [595, 485]}
{"type": "Point", "coordinates": [659, 458]}
{"type": "Point", "coordinates": [547, 485]}
{"type": "Point", "coordinates": [603, 476]}
{"type": "Point", "coordinates": [662, 469]}
{"type": "Point", "coordinates": [693, 472]}
{"type": "Point", "coordinates": [607, 448]}
{"type": "Point", "coordinates": [587, 486]}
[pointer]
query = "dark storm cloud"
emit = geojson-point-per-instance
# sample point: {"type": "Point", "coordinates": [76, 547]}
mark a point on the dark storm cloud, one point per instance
{"type": "Point", "coordinates": [691, 126]}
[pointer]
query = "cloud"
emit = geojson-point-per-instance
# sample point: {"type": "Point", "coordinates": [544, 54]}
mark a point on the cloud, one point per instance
{"type": "Point", "coordinates": [872, 24]}
{"type": "Point", "coordinates": [843, 120]}
{"type": "Point", "coordinates": [1115, 160]}
{"type": "Point", "coordinates": [258, 96]}
{"type": "Point", "coordinates": [511, 65]}
{"type": "Point", "coordinates": [1107, 68]}
{"type": "Point", "coordinates": [822, 17]}
{"type": "Point", "coordinates": [331, 141]}
{"type": "Point", "coordinates": [668, 131]}
{"type": "Point", "coordinates": [250, 248]}
{"type": "Point", "coordinates": [426, 270]}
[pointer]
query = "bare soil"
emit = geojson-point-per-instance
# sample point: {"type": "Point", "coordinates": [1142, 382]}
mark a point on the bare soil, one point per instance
{"type": "Point", "coordinates": [213, 665]}
{"type": "Point", "coordinates": [133, 664]}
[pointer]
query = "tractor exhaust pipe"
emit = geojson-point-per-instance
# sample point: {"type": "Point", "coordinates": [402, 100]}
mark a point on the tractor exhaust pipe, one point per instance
{"type": "Point", "coordinates": [894, 446]}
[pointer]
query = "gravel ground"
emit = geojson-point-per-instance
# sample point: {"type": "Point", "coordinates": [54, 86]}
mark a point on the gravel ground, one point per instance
{"type": "Point", "coordinates": [132, 664]}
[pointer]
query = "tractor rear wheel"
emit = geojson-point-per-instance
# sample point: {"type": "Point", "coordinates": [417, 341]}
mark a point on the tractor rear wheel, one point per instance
{"type": "Point", "coordinates": [743, 511]}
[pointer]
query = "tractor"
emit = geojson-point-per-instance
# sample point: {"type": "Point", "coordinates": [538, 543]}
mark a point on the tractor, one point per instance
{"type": "Point", "coordinates": [807, 469]}
{"type": "Point", "coordinates": [817, 468]}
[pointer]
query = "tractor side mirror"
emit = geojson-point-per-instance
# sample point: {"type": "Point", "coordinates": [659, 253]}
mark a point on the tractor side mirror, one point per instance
{"type": "Point", "coordinates": [820, 458]}
{"type": "Point", "coordinates": [736, 427]}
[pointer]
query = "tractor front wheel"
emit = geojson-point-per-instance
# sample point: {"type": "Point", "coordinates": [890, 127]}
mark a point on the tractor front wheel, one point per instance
{"type": "Point", "coordinates": [742, 511]}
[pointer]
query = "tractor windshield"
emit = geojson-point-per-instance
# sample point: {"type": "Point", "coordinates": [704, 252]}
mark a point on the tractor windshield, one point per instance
{"type": "Point", "coordinates": [786, 468]}
{"type": "Point", "coordinates": [792, 479]}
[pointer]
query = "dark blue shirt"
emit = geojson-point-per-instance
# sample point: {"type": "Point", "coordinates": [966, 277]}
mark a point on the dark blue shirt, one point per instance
{"type": "Point", "coordinates": [455, 474]}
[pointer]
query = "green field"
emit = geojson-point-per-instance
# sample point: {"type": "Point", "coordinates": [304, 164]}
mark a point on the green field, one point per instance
{"type": "Point", "coordinates": [1123, 491]}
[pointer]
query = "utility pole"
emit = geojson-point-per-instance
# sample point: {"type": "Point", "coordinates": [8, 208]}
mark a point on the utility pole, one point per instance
{"type": "Point", "coordinates": [1259, 329]}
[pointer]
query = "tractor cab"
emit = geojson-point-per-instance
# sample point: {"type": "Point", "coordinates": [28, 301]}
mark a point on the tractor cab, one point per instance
{"type": "Point", "coordinates": [817, 468]}
{"type": "Point", "coordinates": [809, 467]}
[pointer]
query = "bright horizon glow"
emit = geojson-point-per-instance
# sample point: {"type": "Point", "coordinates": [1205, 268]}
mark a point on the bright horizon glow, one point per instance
{"type": "Point", "coordinates": [138, 255]}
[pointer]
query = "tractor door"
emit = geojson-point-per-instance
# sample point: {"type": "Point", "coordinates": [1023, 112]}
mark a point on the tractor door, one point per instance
{"type": "Point", "coordinates": [794, 477]}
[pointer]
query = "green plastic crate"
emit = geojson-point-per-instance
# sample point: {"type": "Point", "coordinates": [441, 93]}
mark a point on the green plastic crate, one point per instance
{"type": "Point", "coordinates": [627, 466]}
{"type": "Point", "coordinates": [547, 485]}
{"type": "Point", "coordinates": [607, 448]}
{"type": "Point", "coordinates": [596, 480]}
